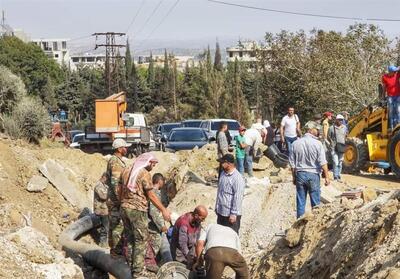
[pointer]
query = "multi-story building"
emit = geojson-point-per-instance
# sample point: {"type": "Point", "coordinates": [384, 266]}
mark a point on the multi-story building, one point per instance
{"type": "Point", "coordinates": [158, 61]}
{"type": "Point", "coordinates": [89, 60]}
{"type": "Point", "coordinates": [243, 52]}
{"type": "Point", "coordinates": [56, 49]}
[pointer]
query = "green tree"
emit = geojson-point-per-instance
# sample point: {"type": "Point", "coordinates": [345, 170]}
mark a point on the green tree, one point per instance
{"type": "Point", "coordinates": [217, 59]}
{"type": "Point", "coordinates": [128, 62]}
{"type": "Point", "coordinates": [150, 72]}
{"type": "Point", "coordinates": [12, 90]}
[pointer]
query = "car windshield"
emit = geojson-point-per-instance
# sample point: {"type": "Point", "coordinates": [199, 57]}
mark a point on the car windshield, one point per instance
{"type": "Point", "coordinates": [188, 135]}
{"type": "Point", "coordinates": [168, 127]}
{"type": "Point", "coordinates": [78, 138]}
{"type": "Point", "coordinates": [191, 124]}
{"type": "Point", "coordinates": [232, 125]}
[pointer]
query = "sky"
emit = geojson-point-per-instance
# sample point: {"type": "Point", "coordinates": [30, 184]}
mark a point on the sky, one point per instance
{"type": "Point", "coordinates": [191, 22]}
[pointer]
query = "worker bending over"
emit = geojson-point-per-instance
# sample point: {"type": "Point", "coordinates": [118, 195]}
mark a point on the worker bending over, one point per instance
{"type": "Point", "coordinates": [221, 247]}
{"type": "Point", "coordinates": [185, 233]}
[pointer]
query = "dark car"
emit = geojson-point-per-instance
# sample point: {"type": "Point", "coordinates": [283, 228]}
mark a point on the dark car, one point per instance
{"type": "Point", "coordinates": [186, 139]}
{"type": "Point", "coordinates": [191, 123]}
{"type": "Point", "coordinates": [162, 132]}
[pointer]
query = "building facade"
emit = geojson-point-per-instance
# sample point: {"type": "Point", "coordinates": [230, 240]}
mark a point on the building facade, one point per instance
{"type": "Point", "coordinates": [56, 49]}
{"type": "Point", "coordinates": [89, 60]}
{"type": "Point", "coordinates": [244, 52]}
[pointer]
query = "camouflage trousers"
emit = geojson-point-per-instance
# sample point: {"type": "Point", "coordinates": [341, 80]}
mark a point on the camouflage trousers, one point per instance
{"type": "Point", "coordinates": [116, 230]}
{"type": "Point", "coordinates": [153, 247]}
{"type": "Point", "coordinates": [136, 230]}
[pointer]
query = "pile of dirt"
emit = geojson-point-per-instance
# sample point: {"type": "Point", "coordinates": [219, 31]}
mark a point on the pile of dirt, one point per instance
{"type": "Point", "coordinates": [338, 241]}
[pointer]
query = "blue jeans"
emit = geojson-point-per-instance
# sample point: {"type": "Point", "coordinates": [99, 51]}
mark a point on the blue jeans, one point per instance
{"type": "Point", "coordinates": [289, 144]}
{"type": "Point", "coordinates": [307, 182]}
{"type": "Point", "coordinates": [249, 160]}
{"type": "Point", "coordinates": [337, 159]}
{"type": "Point", "coordinates": [240, 165]}
{"type": "Point", "coordinates": [394, 111]}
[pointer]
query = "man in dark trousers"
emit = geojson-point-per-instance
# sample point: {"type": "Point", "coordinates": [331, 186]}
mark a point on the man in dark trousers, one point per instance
{"type": "Point", "coordinates": [230, 194]}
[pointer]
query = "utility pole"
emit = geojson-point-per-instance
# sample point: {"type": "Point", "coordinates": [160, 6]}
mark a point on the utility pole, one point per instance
{"type": "Point", "coordinates": [111, 49]}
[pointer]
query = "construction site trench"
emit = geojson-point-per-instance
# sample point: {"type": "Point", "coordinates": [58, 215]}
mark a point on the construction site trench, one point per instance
{"type": "Point", "coordinates": [43, 190]}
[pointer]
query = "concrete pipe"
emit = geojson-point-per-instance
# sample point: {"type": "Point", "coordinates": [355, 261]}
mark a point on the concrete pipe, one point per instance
{"type": "Point", "coordinates": [93, 254]}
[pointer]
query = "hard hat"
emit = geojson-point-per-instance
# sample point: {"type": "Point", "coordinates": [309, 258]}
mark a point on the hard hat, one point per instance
{"type": "Point", "coordinates": [339, 117]}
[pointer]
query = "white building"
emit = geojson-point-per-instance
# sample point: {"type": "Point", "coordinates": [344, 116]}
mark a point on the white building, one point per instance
{"type": "Point", "coordinates": [56, 49]}
{"type": "Point", "coordinates": [243, 51]}
{"type": "Point", "coordinates": [158, 61]}
{"type": "Point", "coordinates": [89, 60]}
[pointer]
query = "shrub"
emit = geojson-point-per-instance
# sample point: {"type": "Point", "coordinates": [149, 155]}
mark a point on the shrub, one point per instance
{"type": "Point", "coordinates": [29, 120]}
{"type": "Point", "coordinates": [12, 90]}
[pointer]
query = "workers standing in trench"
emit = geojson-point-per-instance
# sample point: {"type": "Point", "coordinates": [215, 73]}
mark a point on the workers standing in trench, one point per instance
{"type": "Point", "coordinates": [156, 226]}
{"type": "Point", "coordinates": [136, 192]}
{"type": "Point", "coordinates": [115, 167]}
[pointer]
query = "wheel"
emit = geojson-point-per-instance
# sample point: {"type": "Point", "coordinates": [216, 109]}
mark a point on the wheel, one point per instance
{"type": "Point", "coordinates": [356, 156]}
{"type": "Point", "coordinates": [394, 154]}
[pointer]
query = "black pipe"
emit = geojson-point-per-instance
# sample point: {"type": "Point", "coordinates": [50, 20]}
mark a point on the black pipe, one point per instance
{"type": "Point", "coordinates": [279, 159]}
{"type": "Point", "coordinates": [93, 254]}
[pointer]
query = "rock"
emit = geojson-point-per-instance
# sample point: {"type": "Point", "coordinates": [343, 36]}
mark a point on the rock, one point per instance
{"type": "Point", "coordinates": [276, 179]}
{"type": "Point", "coordinates": [59, 177]}
{"type": "Point", "coordinates": [393, 273]}
{"type": "Point", "coordinates": [368, 195]}
{"type": "Point", "coordinates": [329, 194]}
{"type": "Point", "coordinates": [37, 184]}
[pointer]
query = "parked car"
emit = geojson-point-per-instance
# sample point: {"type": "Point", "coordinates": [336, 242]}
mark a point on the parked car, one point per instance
{"type": "Point", "coordinates": [192, 123]}
{"type": "Point", "coordinates": [212, 126]}
{"type": "Point", "coordinates": [71, 134]}
{"type": "Point", "coordinates": [186, 139]}
{"type": "Point", "coordinates": [162, 132]}
{"type": "Point", "coordinates": [77, 139]}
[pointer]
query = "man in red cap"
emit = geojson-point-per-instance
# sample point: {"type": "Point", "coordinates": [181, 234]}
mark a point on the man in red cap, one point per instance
{"type": "Point", "coordinates": [240, 151]}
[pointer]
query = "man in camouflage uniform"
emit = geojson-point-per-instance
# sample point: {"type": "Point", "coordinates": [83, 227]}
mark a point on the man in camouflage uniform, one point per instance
{"type": "Point", "coordinates": [100, 208]}
{"type": "Point", "coordinates": [137, 191]}
{"type": "Point", "coordinates": [115, 167]}
{"type": "Point", "coordinates": [156, 226]}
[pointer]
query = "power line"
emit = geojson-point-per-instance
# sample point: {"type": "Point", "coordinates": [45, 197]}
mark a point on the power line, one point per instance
{"type": "Point", "coordinates": [135, 16]}
{"type": "Point", "coordinates": [150, 16]}
{"type": "Point", "coordinates": [80, 38]}
{"type": "Point", "coordinates": [298, 13]}
{"type": "Point", "coordinates": [161, 22]}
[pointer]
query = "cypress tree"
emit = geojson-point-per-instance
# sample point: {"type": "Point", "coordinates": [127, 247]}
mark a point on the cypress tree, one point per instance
{"type": "Point", "coordinates": [128, 61]}
{"type": "Point", "coordinates": [150, 72]}
{"type": "Point", "coordinates": [134, 87]}
{"type": "Point", "coordinates": [166, 78]}
{"type": "Point", "coordinates": [217, 59]}
{"type": "Point", "coordinates": [208, 60]}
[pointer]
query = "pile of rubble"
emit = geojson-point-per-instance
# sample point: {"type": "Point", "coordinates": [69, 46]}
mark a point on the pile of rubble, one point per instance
{"type": "Point", "coordinates": [339, 240]}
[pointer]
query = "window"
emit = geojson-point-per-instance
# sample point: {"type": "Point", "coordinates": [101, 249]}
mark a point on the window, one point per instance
{"type": "Point", "coordinates": [232, 125]}
{"type": "Point", "coordinates": [64, 44]}
{"type": "Point", "coordinates": [240, 53]}
{"type": "Point", "coordinates": [253, 54]}
{"type": "Point", "coordinates": [90, 59]}
{"type": "Point", "coordinates": [168, 127]}
{"type": "Point", "coordinates": [55, 46]}
{"type": "Point", "coordinates": [75, 59]}
{"type": "Point", "coordinates": [231, 54]}
{"type": "Point", "coordinates": [56, 55]}
{"type": "Point", "coordinates": [188, 135]}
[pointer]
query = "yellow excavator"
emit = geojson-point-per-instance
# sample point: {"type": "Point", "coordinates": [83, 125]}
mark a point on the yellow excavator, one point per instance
{"type": "Point", "coordinates": [371, 142]}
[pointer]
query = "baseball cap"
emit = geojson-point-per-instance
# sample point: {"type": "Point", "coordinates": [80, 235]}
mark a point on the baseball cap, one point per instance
{"type": "Point", "coordinates": [266, 124]}
{"type": "Point", "coordinates": [339, 116]}
{"type": "Point", "coordinates": [117, 143]}
{"type": "Point", "coordinates": [327, 114]}
{"type": "Point", "coordinates": [312, 125]}
{"type": "Point", "coordinates": [393, 68]}
{"type": "Point", "coordinates": [242, 128]}
{"type": "Point", "coordinates": [227, 158]}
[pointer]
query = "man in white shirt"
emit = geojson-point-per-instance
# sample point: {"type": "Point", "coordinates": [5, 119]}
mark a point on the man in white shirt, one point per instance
{"type": "Point", "coordinates": [221, 246]}
{"type": "Point", "coordinates": [252, 139]}
{"type": "Point", "coordinates": [290, 129]}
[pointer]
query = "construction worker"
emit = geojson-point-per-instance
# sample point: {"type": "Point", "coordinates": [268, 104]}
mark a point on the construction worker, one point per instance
{"type": "Point", "coordinates": [253, 137]}
{"type": "Point", "coordinates": [136, 192]}
{"type": "Point", "coordinates": [156, 226]}
{"type": "Point", "coordinates": [100, 208]}
{"type": "Point", "coordinates": [230, 194]}
{"type": "Point", "coordinates": [185, 233]}
{"type": "Point", "coordinates": [337, 137]}
{"type": "Point", "coordinates": [306, 161]}
{"type": "Point", "coordinates": [391, 86]}
{"type": "Point", "coordinates": [221, 247]}
{"type": "Point", "coordinates": [115, 167]}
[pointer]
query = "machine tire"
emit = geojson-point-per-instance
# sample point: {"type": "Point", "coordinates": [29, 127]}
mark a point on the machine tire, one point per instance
{"type": "Point", "coordinates": [356, 156]}
{"type": "Point", "coordinates": [394, 154]}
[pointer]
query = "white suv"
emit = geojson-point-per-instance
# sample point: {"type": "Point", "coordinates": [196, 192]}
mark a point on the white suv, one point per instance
{"type": "Point", "coordinates": [212, 126]}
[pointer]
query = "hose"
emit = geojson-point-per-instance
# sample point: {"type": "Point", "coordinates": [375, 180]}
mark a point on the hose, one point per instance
{"type": "Point", "coordinates": [279, 159]}
{"type": "Point", "coordinates": [93, 254]}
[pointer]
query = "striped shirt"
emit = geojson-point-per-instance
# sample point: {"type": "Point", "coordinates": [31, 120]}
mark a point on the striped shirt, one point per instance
{"type": "Point", "coordinates": [230, 194]}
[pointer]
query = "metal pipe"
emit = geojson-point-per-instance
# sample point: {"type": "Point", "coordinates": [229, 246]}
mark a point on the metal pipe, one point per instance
{"type": "Point", "coordinates": [93, 254]}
